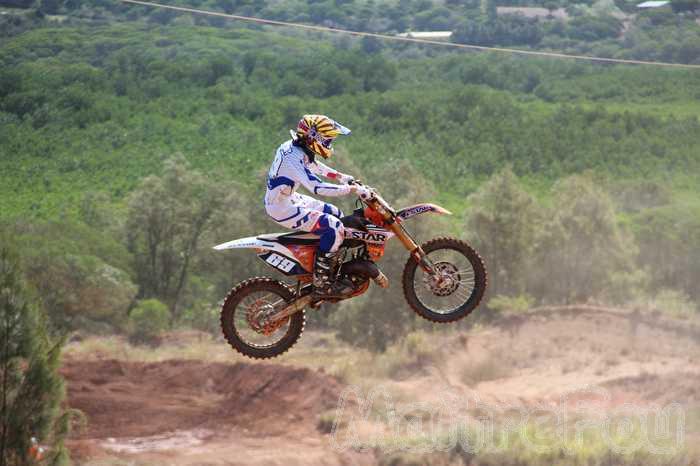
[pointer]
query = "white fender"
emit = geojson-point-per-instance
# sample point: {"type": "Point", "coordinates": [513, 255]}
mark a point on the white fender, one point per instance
{"type": "Point", "coordinates": [255, 242]}
{"type": "Point", "coordinates": [414, 210]}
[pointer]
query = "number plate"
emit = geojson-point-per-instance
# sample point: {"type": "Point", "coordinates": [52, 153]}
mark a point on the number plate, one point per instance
{"type": "Point", "coordinates": [280, 262]}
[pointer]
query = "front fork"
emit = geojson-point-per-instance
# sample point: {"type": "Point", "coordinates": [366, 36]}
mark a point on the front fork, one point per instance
{"type": "Point", "coordinates": [416, 251]}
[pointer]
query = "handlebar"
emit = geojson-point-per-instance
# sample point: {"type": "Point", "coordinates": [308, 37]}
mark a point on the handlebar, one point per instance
{"type": "Point", "coordinates": [375, 198]}
{"type": "Point", "coordinates": [376, 202]}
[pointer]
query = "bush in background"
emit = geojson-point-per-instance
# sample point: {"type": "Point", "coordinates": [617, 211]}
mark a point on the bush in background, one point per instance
{"type": "Point", "coordinates": [147, 321]}
{"type": "Point", "coordinates": [519, 303]}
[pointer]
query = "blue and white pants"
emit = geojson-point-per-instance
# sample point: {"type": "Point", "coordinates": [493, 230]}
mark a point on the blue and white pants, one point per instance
{"type": "Point", "coordinates": [308, 214]}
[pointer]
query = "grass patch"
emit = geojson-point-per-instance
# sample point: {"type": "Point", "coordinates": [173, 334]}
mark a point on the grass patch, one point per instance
{"type": "Point", "coordinates": [530, 445]}
{"type": "Point", "coordinates": [491, 367]}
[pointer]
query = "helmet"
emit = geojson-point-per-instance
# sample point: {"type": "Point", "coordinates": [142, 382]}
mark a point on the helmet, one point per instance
{"type": "Point", "coordinates": [317, 132]}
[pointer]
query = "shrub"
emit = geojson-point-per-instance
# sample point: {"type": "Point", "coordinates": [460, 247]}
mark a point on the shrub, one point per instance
{"type": "Point", "coordinates": [202, 316]}
{"type": "Point", "coordinates": [147, 321]}
{"type": "Point", "coordinates": [520, 303]}
{"type": "Point", "coordinates": [667, 301]}
{"type": "Point", "coordinates": [80, 288]}
{"type": "Point", "coordinates": [409, 355]}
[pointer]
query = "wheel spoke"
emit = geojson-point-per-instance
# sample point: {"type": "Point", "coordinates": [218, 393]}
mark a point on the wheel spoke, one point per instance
{"type": "Point", "coordinates": [247, 312]}
{"type": "Point", "coordinates": [450, 295]}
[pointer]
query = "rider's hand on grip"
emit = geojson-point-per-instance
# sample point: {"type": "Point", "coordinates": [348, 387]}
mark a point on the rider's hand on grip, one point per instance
{"type": "Point", "coordinates": [363, 191]}
{"type": "Point", "coordinates": [346, 179]}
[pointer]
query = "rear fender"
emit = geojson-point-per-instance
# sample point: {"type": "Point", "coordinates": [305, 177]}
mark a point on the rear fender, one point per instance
{"type": "Point", "coordinates": [277, 256]}
{"type": "Point", "coordinates": [418, 209]}
{"type": "Point", "coordinates": [252, 242]}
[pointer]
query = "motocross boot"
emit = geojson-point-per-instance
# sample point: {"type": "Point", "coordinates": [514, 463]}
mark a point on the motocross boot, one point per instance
{"type": "Point", "coordinates": [324, 283]}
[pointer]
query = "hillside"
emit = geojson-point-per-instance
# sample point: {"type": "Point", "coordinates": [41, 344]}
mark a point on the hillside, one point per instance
{"type": "Point", "coordinates": [609, 28]}
{"type": "Point", "coordinates": [92, 111]}
{"type": "Point", "coordinates": [100, 107]}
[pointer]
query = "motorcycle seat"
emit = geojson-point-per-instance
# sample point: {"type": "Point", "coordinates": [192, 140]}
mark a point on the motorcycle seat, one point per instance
{"type": "Point", "coordinates": [294, 237]}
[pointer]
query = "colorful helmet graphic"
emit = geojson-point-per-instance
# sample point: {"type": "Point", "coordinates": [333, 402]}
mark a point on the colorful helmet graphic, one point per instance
{"type": "Point", "coordinates": [318, 133]}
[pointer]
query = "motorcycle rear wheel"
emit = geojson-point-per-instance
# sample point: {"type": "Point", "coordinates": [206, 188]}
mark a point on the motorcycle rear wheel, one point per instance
{"type": "Point", "coordinates": [458, 294]}
{"type": "Point", "coordinates": [238, 312]}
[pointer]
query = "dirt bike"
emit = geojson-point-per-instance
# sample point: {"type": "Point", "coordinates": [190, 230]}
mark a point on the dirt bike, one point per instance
{"type": "Point", "coordinates": [443, 279]}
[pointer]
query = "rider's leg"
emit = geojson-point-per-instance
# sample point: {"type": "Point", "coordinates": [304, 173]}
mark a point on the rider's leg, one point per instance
{"type": "Point", "coordinates": [331, 232]}
{"type": "Point", "coordinates": [314, 216]}
{"type": "Point", "coordinates": [315, 204]}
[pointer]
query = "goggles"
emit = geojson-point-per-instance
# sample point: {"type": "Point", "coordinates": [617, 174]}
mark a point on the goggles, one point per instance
{"type": "Point", "coordinates": [327, 142]}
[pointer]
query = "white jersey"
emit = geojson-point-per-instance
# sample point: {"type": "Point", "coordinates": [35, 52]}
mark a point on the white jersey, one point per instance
{"type": "Point", "coordinates": [292, 168]}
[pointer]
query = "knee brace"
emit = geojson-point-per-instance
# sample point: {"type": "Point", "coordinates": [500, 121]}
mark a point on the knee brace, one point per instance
{"type": "Point", "coordinates": [330, 209]}
{"type": "Point", "coordinates": [331, 231]}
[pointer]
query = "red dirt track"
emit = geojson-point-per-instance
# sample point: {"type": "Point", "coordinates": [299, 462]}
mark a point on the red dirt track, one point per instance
{"type": "Point", "coordinates": [130, 399]}
{"type": "Point", "coordinates": [195, 412]}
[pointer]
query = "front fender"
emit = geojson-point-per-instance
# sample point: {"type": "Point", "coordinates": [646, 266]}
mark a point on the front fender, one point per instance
{"type": "Point", "coordinates": [417, 209]}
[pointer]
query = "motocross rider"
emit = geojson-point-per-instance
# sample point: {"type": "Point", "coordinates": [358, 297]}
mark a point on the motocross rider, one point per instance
{"type": "Point", "coordinates": [296, 163]}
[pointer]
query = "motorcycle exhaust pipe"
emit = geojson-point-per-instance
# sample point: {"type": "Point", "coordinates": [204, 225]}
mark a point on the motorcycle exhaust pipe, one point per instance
{"type": "Point", "coordinates": [363, 267]}
{"type": "Point", "coordinates": [367, 268]}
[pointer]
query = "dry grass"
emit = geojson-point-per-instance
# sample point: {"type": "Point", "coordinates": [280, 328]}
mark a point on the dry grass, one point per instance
{"type": "Point", "coordinates": [489, 367]}
{"type": "Point", "coordinates": [316, 350]}
{"type": "Point", "coordinates": [200, 347]}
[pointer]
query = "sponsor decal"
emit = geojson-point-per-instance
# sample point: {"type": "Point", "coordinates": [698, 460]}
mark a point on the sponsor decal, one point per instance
{"type": "Point", "coordinates": [369, 236]}
{"type": "Point", "coordinates": [419, 209]}
{"type": "Point", "coordinates": [247, 245]}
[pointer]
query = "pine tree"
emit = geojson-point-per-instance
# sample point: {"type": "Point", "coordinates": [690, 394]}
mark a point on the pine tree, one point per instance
{"type": "Point", "coordinates": [31, 389]}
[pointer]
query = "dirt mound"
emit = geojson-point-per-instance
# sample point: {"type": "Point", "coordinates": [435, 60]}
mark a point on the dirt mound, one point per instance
{"type": "Point", "coordinates": [131, 399]}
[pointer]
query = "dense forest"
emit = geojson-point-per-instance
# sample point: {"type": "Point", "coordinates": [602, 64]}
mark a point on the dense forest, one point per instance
{"type": "Point", "coordinates": [610, 28]}
{"type": "Point", "coordinates": [116, 119]}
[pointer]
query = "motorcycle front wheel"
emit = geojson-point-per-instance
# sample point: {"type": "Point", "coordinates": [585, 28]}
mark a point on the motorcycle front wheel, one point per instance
{"type": "Point", "coordinates": [456, 287]}
{"type": "Point", "coordinates": [243, 323]}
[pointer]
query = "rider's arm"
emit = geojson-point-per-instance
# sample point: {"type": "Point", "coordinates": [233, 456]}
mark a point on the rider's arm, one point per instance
{"type": "Point", "coordinates": [320, 168]}
{"type": "Point", "coordinates": [311, 182]}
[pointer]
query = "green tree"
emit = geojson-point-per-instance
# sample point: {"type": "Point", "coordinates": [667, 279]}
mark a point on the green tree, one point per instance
{"type": "Point", "coordinates": [669, 242]}
{"type": "Point", "coordinates": [371, 45]}
{"type": "Point", "coordinates": [81, 290]}
{"type": "Point", "coordinates": [551, 7]}
{"type": "Point", "coordinates": [167, 216]}
{"type": "Point", "coordinates": [681, 6]}
{"type": "Point", "coordinates": [79, 272]}
{"type": "Point", "coordinates": [31, 390]}
{"type": "Point", "coordinates": [50, 7]}
{"type": "Point", "coordinates": [503, 221]}
{"type": "Point", "coordinates": [582, 248]}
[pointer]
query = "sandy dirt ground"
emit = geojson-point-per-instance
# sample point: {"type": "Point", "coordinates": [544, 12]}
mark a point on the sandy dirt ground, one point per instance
{"type": "Point", "coordinates": [193, 412]}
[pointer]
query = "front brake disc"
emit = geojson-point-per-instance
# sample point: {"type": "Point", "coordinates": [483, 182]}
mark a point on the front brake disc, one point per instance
{"type": "Point", "coordinates": [445, 281]}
